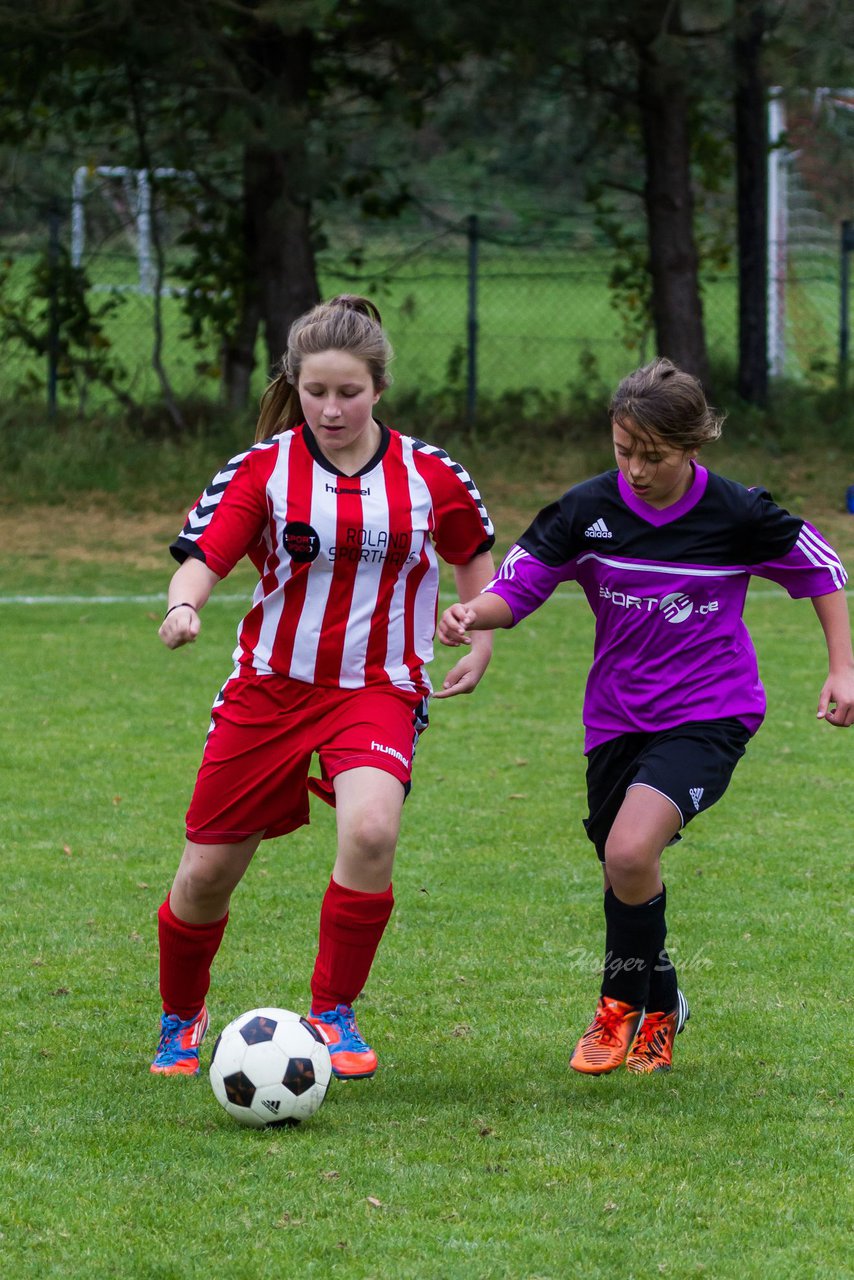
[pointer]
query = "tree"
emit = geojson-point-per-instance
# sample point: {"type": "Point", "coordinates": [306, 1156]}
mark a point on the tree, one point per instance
{"type": "Point", "coordinates": [264, 63]}
{"type": "Point", "coordinates": [253, 96]}
{"type": "Point", "coordinates": [238, 81]}
{"type": "Point", "coordinates": [629, 72]}
{"type": "Point", "coordinates": [751, 148]}
{"type": "Point", "coordinates": [663, 96]}
{"type": "Point", "coordinates": [285, 86]}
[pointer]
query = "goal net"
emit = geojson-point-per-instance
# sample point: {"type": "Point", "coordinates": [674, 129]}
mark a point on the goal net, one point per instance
{"type": "Point", "coordinates": [810, 195]}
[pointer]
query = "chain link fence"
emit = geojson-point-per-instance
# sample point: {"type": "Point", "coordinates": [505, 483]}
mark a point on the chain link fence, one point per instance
{"type": "Point", "coordinates": [471, 311]}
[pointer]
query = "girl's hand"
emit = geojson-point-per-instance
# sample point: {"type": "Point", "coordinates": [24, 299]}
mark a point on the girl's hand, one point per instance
{"type": "Point", "coordinates": [453, 625]}
{"type": "Point", "coordinates": [465, 675]}
{"type": "Point", "coordinates": [836, 700]}
{"type": "Point", "coordinates": [180, 626]}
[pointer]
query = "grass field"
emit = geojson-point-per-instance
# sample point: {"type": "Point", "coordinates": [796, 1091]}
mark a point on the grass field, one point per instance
{"type": "Point", "coordinates": [475, 1152]}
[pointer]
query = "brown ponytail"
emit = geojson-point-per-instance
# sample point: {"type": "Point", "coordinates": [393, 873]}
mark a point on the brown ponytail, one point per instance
{"type": "Point", "coordinates": [280, 408]}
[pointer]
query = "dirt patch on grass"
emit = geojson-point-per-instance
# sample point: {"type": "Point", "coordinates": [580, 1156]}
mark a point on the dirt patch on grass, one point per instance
{"type": "Point", "coordinates": [103, 534]}
{"type": "Point", "coordinates": [102, 530]}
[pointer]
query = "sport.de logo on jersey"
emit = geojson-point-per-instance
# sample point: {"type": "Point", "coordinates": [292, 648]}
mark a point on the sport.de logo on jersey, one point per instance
{"type": "Point", "coordinates": [676, 607]}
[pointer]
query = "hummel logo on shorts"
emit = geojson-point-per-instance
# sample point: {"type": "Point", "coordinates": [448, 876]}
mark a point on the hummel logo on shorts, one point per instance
{"type": "Point", "coordinates": [696, 794]}
{"type": "Point", "coordinates": [598, 529]}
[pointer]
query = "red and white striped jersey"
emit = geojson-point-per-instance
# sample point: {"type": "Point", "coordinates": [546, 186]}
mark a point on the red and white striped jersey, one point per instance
{"type": "Point", "coordinates": [349, 579]}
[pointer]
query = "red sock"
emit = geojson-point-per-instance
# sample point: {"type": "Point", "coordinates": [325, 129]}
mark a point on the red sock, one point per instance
{"type": "Point", "coordinates": [351, 926]}
{"type": "Point", "coordinates": [186, 955]}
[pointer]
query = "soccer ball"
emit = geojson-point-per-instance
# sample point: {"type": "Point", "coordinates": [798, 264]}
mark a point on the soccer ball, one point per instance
{"type": "Point", "coordinates": [270, 1067]}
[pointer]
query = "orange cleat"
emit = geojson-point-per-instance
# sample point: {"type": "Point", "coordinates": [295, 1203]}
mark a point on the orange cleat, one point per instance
{"type": "Point", "coordinates": [652, 1048]}
{"type": "Point", "coordinates": [352, 1058]}
{"type": "Point", "coordinates": [606, 1041]}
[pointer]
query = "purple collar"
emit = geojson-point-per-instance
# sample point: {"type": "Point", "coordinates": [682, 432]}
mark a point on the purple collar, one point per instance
{"type": "Point", "coordinates": [665, 515]}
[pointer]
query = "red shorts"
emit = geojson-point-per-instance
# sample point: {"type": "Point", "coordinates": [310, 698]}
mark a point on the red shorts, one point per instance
{"type": "Point", "coordinates": [264, 730]}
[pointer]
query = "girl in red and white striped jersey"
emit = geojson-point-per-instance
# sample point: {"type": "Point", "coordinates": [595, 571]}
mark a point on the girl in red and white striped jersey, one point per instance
{"type": "Point", "coordinates": [344, 519]}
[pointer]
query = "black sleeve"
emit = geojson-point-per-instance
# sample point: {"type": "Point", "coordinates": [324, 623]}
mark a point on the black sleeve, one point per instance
{"type": "Point", "coordinates": [549, 535]}
{"type": "Point", "coordinates": [768, 532]}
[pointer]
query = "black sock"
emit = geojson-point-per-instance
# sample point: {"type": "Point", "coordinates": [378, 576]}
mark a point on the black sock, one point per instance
{"type": "Point", "coordinates": [634, 936]}
{"type": "Point", "coordinates": [663, 985]}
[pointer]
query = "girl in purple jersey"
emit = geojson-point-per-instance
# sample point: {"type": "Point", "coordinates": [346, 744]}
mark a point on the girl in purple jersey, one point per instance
{"type": "Point", "coordinates": [664, 551]}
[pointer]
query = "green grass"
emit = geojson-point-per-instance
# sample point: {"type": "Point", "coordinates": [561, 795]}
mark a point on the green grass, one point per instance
{"type": "Point", "coordinates": [487, 1156]}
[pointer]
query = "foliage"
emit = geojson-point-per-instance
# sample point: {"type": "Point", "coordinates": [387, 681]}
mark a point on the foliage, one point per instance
{"type": "Point", "coordinates": [386, 111]}
{"type": "Point", "coordinates": [214, 276]}
{"type": "Point", "coordinates": [55, 318]}
{"type": "Point", "coordinates": [134, 460]}
{"type": "Point", "coordinates": [628, 280]}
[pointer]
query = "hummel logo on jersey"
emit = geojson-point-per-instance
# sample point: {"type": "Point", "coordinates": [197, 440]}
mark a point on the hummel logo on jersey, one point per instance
{"type": "Point", "coordinates": [390, 751]}
{"type": "Point", "coordinates": [359, 493]}
{"type": "Point", "coordinates": [696, 794]}
{"type": "Point", "coordinates": [598, 529]}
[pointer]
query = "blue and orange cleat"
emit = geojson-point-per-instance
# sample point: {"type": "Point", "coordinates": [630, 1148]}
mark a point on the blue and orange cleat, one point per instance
{"type": "Point", "coordinates": [178, 1051]}
{"type": "Point", "coordinates": [352, 1058]}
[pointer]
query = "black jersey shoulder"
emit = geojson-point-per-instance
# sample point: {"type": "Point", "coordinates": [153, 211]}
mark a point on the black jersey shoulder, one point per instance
{"type": "Point", "coordinates": [556, 534]}
{"type": "Point", "coordinates": [760, 530]}
{"type": "Point", "coordinates": [730, 524]}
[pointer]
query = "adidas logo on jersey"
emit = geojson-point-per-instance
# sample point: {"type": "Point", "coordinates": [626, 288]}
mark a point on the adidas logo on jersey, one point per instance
{"type": "Point", "coordinates": [598, 529]}
{"type": "Point", "coordinates": [696, 794]}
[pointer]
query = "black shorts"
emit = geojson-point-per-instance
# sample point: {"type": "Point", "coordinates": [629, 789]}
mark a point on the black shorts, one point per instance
{"type": "Point", "coordinates": [690, 764]}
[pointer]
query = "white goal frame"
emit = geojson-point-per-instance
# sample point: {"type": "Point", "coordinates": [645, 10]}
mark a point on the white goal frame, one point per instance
{"type": "Point", "coordinates": [780, 160]}
{"type": "Point", "coordinates": [137, 183]}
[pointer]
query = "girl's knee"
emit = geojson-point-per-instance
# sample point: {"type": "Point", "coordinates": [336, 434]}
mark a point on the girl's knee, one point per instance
{"type": "Point", "coordinates": [201, 880]}
{"type": "Point", "coordinates": [371, 836]}
{"type": "Point", "coordinates": [367, 837]}
{"type": "Point", "coordinates": [628, 859]}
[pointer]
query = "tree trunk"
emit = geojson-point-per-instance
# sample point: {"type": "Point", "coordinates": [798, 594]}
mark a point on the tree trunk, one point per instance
{"type": "Point", "coordinates": [238, 356]}
{"type": "Point", "coordinates": [674, 268]}
{"type": "Point", "coordinates": [280, 281]}
{"type": "Point", "coordinates": [752, 202]}
{"type": "Point", "coordinates": [280, 250]}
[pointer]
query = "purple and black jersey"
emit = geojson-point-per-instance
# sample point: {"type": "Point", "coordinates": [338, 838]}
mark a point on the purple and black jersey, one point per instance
{"type": "Point", "coordinates": [667, 588]}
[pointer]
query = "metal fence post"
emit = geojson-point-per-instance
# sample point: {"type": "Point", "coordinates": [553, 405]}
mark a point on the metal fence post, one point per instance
{"type": "Point", "coordinates": [846, 247]}
{"type": "Point", "coordinates": [471, 363]}
{"type": "Point", "coordinates": [53, 221]}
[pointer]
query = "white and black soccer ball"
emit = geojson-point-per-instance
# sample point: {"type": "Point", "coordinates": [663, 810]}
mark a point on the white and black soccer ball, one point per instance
{"type": "Point", "coordinates": [270, 1067]}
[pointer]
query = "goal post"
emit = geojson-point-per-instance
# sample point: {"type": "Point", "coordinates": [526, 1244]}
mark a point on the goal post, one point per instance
{"type": "Point", "coordinates": [810, 149]}
{"type": "Point", "coordinates": [137, 186]}
{"type": "Point", "coordinates": [777, 227]}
